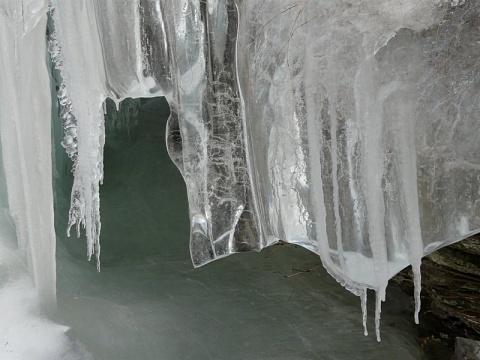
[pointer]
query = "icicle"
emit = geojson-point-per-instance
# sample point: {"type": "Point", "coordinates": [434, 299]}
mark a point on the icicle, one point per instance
{"type": "Point", "coordinates": [371, 125]}
{"type": "Point", "coordinates": [363, 300]}
{"type": "Point", "coordinates": [312, 124]}
{"type": "Point", "coordinates": [82, 97]}
{"type": "Point", "coordinates": [379, 297]}
{"type": "Point", "coordinates": [417, 282]}
{"type": "Point", "coordinates": [403, 126]}
{"type": "Point", "coordinates": [332, 101]}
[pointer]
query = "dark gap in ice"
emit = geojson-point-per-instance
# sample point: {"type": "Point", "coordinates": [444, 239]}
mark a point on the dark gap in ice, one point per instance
{"type": "Point", "coordinates": [143, 196]}
{"type": "Point", "coordinates": [144, 202]}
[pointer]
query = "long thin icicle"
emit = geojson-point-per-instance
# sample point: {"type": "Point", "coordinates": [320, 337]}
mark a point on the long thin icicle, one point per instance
{"type": "Point", "coordinates": [378, 311]}
{"type": "Point", "coordinates": [82, 98]}
{"type": "Point", "coordinates": [363, 299]}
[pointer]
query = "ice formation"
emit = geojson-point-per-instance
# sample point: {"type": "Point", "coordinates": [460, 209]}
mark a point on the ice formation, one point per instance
{"type": "Point", "coordinates": [25, 130]}
{"type": "Point", "coordinates": [346, 127]}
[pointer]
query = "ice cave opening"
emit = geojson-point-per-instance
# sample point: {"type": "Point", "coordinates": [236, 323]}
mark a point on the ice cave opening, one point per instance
{"type": "Point", "coordinates": [149, 302]}
{"type": "Point", "coordinates": [143, 194]}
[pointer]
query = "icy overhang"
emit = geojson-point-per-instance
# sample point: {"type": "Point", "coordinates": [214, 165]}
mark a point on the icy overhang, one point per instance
{"type": "Point", "coordinates": [347, 127]}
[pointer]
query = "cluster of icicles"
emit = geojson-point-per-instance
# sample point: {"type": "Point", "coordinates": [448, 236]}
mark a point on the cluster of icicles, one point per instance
{"type": "Point", "coordinates": [302, 121]}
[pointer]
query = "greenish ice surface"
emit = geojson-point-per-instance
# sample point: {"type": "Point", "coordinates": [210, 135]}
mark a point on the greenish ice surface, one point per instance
{"type": "Point", "coordinates": [150, 303]}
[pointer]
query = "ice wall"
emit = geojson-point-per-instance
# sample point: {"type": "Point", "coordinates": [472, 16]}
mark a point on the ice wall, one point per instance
{"type": "Point", "coordinates": [26, 137]}
{"type": "Point", "coordinates": [353, 113]}
{"type": "Point", "coordinates": [347, 127]}
{"type": "Point", "coordinates": [339, 126]}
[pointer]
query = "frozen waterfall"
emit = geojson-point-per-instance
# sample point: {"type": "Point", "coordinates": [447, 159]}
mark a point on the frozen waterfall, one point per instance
{"type": "Point", "coordinates": [345, 127]}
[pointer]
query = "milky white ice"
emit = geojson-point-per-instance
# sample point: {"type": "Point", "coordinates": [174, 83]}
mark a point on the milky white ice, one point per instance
{"type": "Point", "coordinates": [346, 127]}
{"type": "Point", "coordinates": [25, 333]}
{"type": "Point", "coordinates": [26, 137]}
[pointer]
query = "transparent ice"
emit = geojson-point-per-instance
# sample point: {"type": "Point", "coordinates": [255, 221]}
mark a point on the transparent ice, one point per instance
{"type": "Point", "coordinates": [346, 127]}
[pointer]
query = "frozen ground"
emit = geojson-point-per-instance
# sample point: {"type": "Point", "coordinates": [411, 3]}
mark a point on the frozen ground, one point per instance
{"type": "Point", "coordinates": [149, 302]}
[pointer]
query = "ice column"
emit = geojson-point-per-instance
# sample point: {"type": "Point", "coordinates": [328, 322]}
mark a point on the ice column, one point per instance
{"type": "Point", "coordinates": [26, 137]}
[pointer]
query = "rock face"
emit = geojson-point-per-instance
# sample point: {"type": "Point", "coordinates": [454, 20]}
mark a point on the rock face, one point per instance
{"type": "Point", "coordinates": [452, 283]}
{"type": "Point", "coordinates": [466, 349]}
{"type": "Point", "coordinates": [450, 291]}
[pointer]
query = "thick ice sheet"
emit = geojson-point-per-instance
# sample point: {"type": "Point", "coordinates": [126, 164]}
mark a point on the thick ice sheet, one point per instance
{"type": "Point", "coordinates": [344, 127]}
